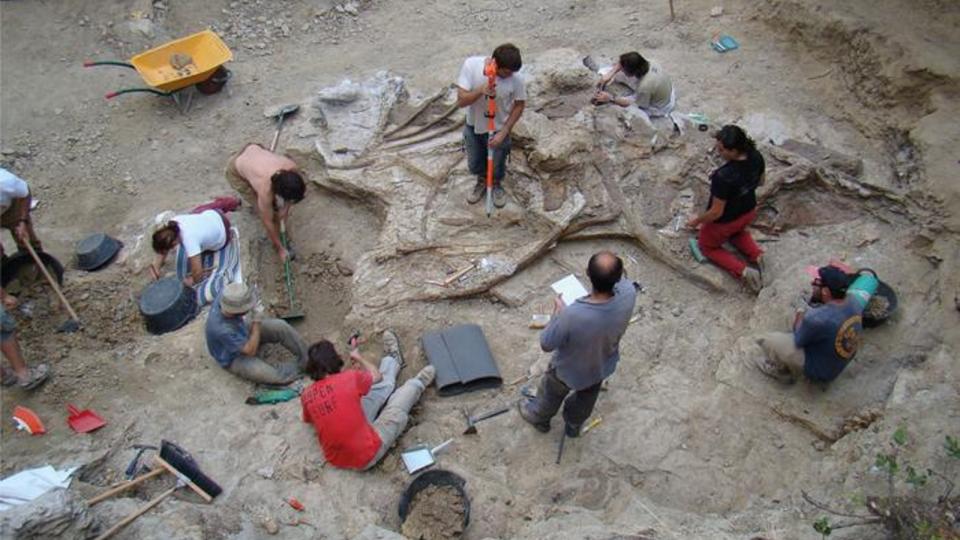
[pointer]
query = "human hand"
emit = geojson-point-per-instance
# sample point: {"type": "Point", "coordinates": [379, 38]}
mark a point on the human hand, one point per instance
{"type": "Point", "coordinates": [9, 301]}
{"type": "Point", "coordinates": [257, 314]}
{"type": "Point", "coordinates": [692, 224]}
{"type": "Point", "coordinates": [558, 304]}
{"type": "Point", "coordinates": [21, 231]}
{"type": "Point", "coordinates": [497, 139]}
{"type": "Point", "coordinates": [487, 90]}
{"type": "Point", "coordinates": [283, 254]}
{"type": "Point", "coordinates": [188, 281]}
{"type": "Point", "coordinates": [602, 97]}
{"type": "Point", "coordinates": [355, 356]}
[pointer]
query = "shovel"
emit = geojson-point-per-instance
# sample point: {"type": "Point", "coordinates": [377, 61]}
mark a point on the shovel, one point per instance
{"type": "Point", "coordinates": [281, 113]}
{"type": "Point", "coordinates": [71, 325]}
{"type": "Point", "coordinates": [84, 421]}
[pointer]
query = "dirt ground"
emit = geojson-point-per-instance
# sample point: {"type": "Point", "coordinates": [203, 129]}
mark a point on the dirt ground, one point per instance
{"type": "Point", "coordinates": [694, 443]}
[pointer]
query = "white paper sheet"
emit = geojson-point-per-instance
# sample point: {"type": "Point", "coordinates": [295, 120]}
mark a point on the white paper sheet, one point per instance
{"type": "Point", "coordinates": [569, 289]}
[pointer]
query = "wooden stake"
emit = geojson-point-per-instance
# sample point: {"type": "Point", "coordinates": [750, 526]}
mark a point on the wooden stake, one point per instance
{"type": "Point", "coordinates": [672, 15]}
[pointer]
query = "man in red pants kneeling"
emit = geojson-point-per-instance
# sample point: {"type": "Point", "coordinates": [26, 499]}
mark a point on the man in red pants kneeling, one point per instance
{"type": "Point", "coordinates": [732, 207]}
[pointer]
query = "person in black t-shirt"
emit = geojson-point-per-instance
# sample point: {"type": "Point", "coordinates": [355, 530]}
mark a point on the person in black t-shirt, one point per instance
{"type": "Point", "coordinates": [732, 207]}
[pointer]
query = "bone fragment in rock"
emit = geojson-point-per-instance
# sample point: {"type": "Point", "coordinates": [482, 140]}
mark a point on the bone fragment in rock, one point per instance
{"type": "Point", "coordinates": [416, 113]}
{"type": "Point", "coordinates": [446, 114]}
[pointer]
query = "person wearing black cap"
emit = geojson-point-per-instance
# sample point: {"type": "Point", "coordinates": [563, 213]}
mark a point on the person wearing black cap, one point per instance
{"type": "Point", "coordinates": [824, 339]}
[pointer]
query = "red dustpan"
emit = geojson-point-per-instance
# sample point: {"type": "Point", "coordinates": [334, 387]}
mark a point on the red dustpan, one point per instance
{"type": "Point", "coordinates": [84, 421]}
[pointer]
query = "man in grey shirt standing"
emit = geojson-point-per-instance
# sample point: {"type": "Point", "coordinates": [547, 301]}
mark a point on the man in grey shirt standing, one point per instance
{"type": "Point", "coordinates": [585, 341]}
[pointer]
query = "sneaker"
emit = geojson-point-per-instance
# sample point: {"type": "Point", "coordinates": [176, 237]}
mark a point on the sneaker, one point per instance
{"type": "Point", "coordinates": [391, 346]}
{"type": "Point", "coordinates": [761, 267]}
{"type": "Point", "coordinates": [36, 376]}
{"type": "Point", "coordinates": [426, 376]}
{"type": "Point", "coordinates": [541, 426]}
{"type": "Point", "coordinates": [499, 196]}
{"type": "Point", "coordinates": [571, 430]}
{"type": "Point", "coordinates": [479, 190]}
{"type": "Point", "coordinates": [775, 370]}
{"type": "Point", "coordinates": [751, 278]}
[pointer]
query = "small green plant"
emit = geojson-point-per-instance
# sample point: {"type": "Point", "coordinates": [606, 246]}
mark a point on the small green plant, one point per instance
{"type": "Point", "coordinates": [823, 527]}
{"type": "Point", "coordinates": [900, 435]}
{"type": "Point", "coordinates": [924, 518]}
{"type": "Point", "coordinates": [916, 479]}
{"type": "Point", "coordinates": [887, 463]}
{"type": "Point", "coordinates": [952, 446]}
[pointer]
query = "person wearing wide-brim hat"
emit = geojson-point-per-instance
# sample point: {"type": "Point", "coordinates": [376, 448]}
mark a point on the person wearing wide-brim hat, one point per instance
{"type": "Point", "coordinates": [235, 343]}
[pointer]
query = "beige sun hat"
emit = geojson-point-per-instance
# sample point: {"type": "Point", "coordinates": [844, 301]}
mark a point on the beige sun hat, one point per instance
{"type": "Point", "coordinates": [236, 299]}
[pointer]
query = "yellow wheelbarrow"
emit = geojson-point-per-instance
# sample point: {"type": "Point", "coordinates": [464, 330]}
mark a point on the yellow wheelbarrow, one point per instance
{"type": "Point", "coordinates": [195, 60]}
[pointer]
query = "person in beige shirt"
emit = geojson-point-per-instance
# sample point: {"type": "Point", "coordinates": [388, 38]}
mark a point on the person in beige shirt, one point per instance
{"type": "Point", "coordinates": [652, 90]}
{"type": "Point", "coordinates": [272, 183]}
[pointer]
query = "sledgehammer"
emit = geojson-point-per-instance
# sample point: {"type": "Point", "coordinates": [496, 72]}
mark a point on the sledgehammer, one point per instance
{"type": "Point", "coordinates": [472, 420]}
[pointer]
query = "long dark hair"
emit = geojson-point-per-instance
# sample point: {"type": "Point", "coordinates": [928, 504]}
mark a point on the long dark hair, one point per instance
{"type": "Point", "coordinates": [166, 237]}
{"type": "Point", "coordinates": [735, 138]}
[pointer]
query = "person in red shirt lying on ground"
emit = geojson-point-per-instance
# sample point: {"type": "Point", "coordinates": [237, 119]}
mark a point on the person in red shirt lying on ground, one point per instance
{"type": "Point", "coordinates": [343, 406]}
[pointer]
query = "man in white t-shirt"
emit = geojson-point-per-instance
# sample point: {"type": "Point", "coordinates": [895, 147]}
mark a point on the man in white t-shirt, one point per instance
{"type": "Point", "coordinates": [510, 96]}
{"type": "Point", "coordinates": [15, 205]}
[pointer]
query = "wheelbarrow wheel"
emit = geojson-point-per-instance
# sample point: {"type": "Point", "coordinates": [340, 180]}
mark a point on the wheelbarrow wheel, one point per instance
{"type": "Point", "coordinates": [215, 82]}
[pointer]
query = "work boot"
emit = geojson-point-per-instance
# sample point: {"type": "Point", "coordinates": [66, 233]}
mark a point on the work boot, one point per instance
{"type": "Point", "coordinates": [541, 426]}
{"type": "Point", "coordinates": [426, 376]}
{"type": "Point", "coordinates": [570, 430]}
{"type": "Point", "coordinates": [751, 278]}
{"type": "Point", "coordinates": [499, 195]}
{"type": "Point", "coordinates": [391, 346]}
{"type": "Point", "coordinates": [775, 370]}
{"type": "Point", "coordinates": [479, 190]}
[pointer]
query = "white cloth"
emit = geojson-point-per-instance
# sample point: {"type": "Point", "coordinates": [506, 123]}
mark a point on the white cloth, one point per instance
{"type": "Point", "coordinates": [201, 232]}
{"type": "Point", "coordinates": [508, 91]}
{"type": "Point", "coordinates": [27, 485]}
{"type": "Point", "coordinates": [11, 187]}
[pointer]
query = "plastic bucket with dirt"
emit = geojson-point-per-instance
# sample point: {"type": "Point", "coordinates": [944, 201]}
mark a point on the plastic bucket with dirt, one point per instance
{"type": "Point", "coordinates": [435, 506]}
{"type": "Point", "coordinates": [167, 304]}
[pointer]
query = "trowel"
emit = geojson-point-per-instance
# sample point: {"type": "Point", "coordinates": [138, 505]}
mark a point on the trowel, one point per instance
{"type": "Point", "coordinates": [418, 458]}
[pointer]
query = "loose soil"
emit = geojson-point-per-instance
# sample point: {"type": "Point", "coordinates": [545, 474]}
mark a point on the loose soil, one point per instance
{"type": "Point", "coordinates": [436, 513]}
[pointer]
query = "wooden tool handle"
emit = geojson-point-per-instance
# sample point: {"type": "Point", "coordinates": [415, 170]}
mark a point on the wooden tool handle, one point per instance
{"type": "Point", "coordinates": [123, 487]}
{"type": "Point", "coordinates": [183, 478]}
{"type": "Point", "coordinates": [140, 511]}
{"type": "Point", "coordinates": [51, 281]}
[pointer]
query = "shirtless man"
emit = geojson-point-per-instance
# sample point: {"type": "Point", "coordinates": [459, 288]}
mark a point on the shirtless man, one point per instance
{"type": "Point", "coordinates": [272, 183]}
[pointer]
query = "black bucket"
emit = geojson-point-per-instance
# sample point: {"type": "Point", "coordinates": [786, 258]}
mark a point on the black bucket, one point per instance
{"type": "Point", "coordinates": [96, 251]}
{"type": "Point", "coordinates": [436, 477]}
{"type": "Point", "coordinates": [886, 292]}
{"type": "Point", "coordinates": [167, 304]}
{"type": "Point", "coordinates": [20, 267]}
